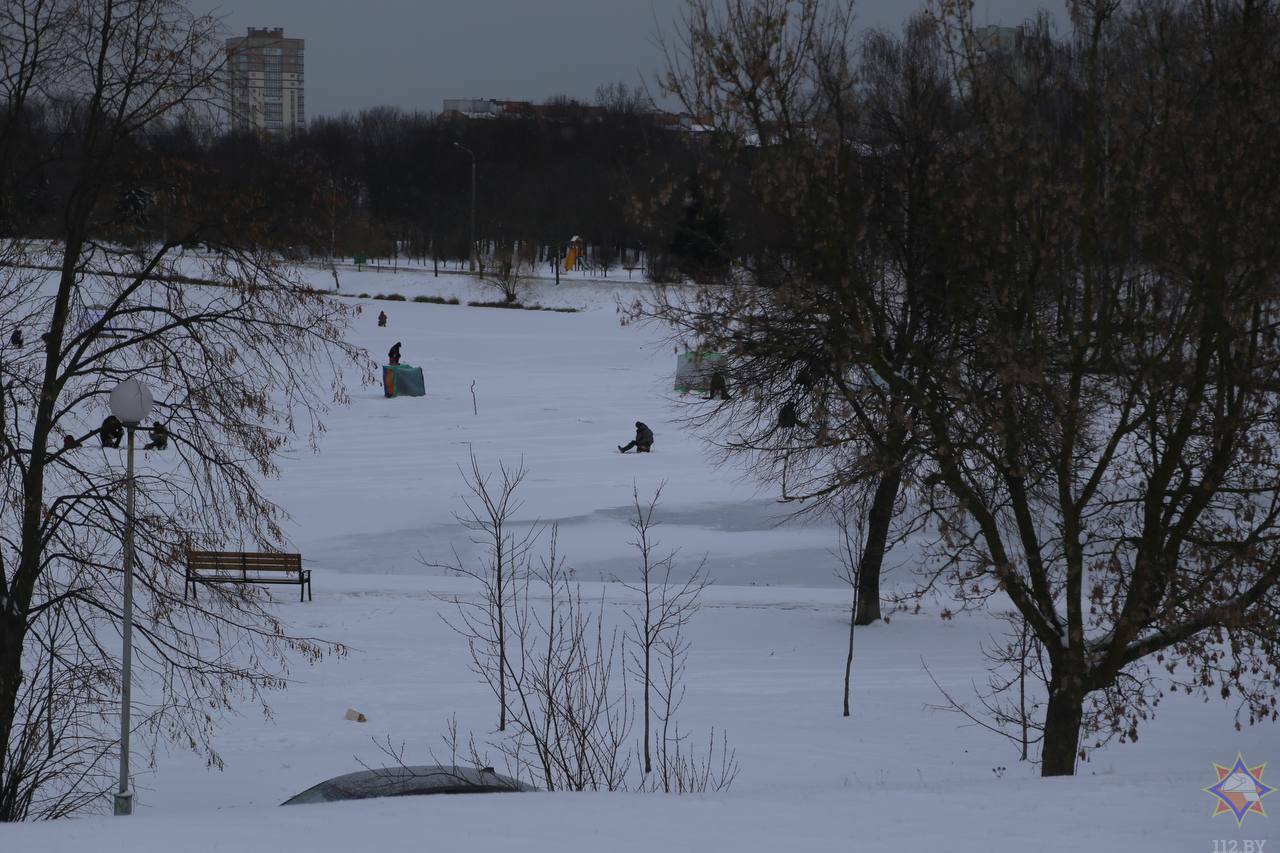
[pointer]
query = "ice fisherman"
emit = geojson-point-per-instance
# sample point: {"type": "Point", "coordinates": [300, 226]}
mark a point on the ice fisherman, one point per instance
{"type": "Point", "coordinates": [111, 431]}
{"type": "Point", "coordinates": [159, 437]}
{"type": "Point", "coordinates": [393, 354]}
{"type": "Point", "coordinates": [382, 318]}
{"type": "Point", "coordinates": [719, 387]}
{"type": "Point", "coordinates": [643, 442]}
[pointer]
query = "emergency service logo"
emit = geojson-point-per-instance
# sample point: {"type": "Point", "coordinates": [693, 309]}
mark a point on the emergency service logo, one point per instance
{"type": "Point", "coordinates": [1239, 790]}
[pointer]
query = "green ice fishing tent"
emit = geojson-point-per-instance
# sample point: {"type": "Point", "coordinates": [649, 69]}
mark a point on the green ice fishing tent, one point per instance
{"type": "Point", "coordinates": [695, 369]}
{"type": "Point", "coordinates": [403, 380]}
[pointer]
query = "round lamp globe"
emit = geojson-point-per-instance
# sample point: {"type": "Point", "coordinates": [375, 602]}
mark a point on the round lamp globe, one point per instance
{"type": "Point", "coordinates": [131, 402]}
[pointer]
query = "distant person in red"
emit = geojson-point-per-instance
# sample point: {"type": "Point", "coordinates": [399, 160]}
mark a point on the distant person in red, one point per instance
{"type": "Point", "coordinates": [643, 442]}
{"type": "Point", "coordinates": [393, 354]}
{"type": "Point", "coordinates": [382, 318]}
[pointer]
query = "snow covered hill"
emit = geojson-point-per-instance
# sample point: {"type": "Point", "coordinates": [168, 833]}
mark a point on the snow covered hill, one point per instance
{"type": "Point", "coordinates": [560, 391]}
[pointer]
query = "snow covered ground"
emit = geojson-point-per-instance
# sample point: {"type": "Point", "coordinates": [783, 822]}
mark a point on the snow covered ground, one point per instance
{"type": "Point", "coordinates": [560, 391]}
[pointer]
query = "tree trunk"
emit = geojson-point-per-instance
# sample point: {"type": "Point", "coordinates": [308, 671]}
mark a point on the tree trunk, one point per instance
{"type": "Point", "coordinates": [648, 651]}
{"type": "Point", "coordinates": [848, 661]}
{"type": "Point", "coordinates": [1061, 730]}
{"type": "Point", "coordinates": [879, 518]}
{"type": "Point", "coordinates": [11, 636]}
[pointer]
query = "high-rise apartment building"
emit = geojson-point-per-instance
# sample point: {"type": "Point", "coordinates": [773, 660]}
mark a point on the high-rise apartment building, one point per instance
{"type": "Point", "coordinates": [265, 82]}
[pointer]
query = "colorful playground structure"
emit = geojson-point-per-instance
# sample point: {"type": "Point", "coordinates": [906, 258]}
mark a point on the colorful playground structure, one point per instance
{"type": "Point", "coordinates": [575, 252]}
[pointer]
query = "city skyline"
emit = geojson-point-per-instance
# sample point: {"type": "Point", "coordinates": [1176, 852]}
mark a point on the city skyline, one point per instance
{"type": "Point", "coordinates": [411, 55]}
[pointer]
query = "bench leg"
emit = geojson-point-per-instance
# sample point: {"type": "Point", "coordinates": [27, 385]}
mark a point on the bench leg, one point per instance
{"type": "Point", "coordinates": [302, 591]}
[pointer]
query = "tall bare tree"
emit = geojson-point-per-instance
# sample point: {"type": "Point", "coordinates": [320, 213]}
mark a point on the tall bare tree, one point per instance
{"type": "Point", "coordinates": [489, 515]}
{"type": "Point", "coordinates": [242, 358]}
{"type": "Point", "coordinates": [668, 603]}
{"type": "Point", "coordinates": [1106, 440]}
{"type": "Point", "coordinates": [1089, 376]}
{"type": "Point", "coordinates": [845, 152]}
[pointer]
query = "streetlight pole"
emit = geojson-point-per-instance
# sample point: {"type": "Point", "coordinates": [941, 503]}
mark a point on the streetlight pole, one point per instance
{"type": "Point", "coordinates": [130, 403]}
{"type": "Point", "coordinates": [124, 796]}
{"type": "Point", "coordinates": [462, 147]}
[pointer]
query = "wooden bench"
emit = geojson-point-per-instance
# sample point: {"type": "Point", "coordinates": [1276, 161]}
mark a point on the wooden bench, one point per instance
{"type": "Point", "coordinates": [246, 567]}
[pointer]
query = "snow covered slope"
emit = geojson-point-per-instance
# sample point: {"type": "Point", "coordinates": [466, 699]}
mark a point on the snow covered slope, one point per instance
{"type": "Point", "coordinates": [562, 390]}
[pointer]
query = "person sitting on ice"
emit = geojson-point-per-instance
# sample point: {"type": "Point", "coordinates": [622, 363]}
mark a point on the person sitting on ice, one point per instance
{"type": "Point", "coordinates": [382, 318]}
{"type": "Point", "coordinates": [393, 354]}
{"type": "Point", "coordinates": [643, 442]}
{"type": "Point", "coordinates": [159, 437]}
{"type": "Point", "coordinates": [111, 431]}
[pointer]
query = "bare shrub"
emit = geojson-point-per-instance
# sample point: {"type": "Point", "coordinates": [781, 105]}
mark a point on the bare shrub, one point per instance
{"type": "Point", "coordinates": [507, 274]}
{"type": "Point", "coordinates": [501, 570]}
{"type": "Point", "coordinates": [562, 675]}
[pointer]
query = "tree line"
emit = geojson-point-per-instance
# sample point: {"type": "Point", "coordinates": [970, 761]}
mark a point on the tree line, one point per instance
{"type": "Point", "coordinates": [386, 183]}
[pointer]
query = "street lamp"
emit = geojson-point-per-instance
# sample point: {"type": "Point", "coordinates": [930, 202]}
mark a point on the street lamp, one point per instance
{"type": "Point", "coordinates": [462, 147]}
{"type": "Point", "coordinates": [130, 403]}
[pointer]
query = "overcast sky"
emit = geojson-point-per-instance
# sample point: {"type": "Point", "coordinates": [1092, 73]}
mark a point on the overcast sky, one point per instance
{"type": "Point", "coordinates": [414, 53]}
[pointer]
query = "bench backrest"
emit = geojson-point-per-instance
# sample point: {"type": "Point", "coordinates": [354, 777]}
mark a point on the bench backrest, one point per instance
{"type": "Point", "coordinates": [220, 562]}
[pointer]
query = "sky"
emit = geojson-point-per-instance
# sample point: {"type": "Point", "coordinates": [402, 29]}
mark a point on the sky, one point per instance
{"type": "Point", "coordinates": [415, 53]}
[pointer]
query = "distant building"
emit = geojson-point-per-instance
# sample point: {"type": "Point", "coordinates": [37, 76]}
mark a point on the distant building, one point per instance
{"type": "Point", "coordinates": [265, 82]}
{"type": "Point", "coordinates": [472, 107]}
{"type": "Point", "coordinates": [559, 110]}
{"type": "Point", "coordinates": [485, 108]}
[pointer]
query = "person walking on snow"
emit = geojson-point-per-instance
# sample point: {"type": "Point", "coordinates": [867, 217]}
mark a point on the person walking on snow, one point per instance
{"type": "Point", "coordinates": [382, 318]}
{"type": "Point", "coordinates": [643, 442]}
{"type": "Point", "coordinates": [393, 354]}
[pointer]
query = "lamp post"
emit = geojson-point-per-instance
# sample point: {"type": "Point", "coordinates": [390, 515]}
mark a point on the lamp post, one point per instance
{"type": "Point", "coordinates": [333, 221]}
{"type": "Point", "coordinates": [462, 147]}
{"type": "Point", "coordinates": [130, 403]}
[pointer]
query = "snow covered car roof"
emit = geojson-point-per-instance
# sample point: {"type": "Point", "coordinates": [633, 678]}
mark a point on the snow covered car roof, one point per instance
{"type": "Point", "coordinates": [408, 781]}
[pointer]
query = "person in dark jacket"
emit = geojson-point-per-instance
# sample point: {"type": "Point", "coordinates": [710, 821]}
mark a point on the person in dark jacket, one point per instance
{"type": "Point", "coordinates": [16, 338]}
{"type": "Point", "coordinates": [643, 442]}
{"type": "Point", "coordinates": [111, 432]}
{"type": "Point", "coordinates": [719, 387]}
{"type": "Point", "coordinates": [393, 354]}
{"type": "Point", "coordinates": [382, 318]}
{"type": "Point", "coordinates": [159, 437]}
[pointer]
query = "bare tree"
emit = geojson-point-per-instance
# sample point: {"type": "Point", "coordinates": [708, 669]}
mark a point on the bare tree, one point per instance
{"type": "Point", "coordinates": [1012, 701]}
{"type": "Point", "coordinates": [508, 273]}
{"type": "Point", "coordinates": [847, 153]}
{"type": "Point", "coordinates": [1087, 368]}
{"type": "Point", "coordinates": [571, 714]}
{"type": "Point", "coordinates": [847, 552]}
{"type": "Point", "coordinates": [502, 570]}
{"type": "Point", "coordinates": [1105, 445]}
{"type": "Point", "coordinates": [624, 99]}
{"type": "Point", "coordinates": [668, 604]}
{"type": "Point", "coordinates": [564, 674]}
{"type": "Point", "coordinates": [240, 355]}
